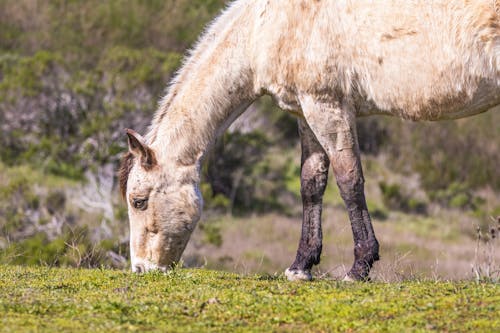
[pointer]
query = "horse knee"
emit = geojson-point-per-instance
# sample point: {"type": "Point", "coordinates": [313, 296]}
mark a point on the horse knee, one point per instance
{"type": "Point", "coordinates": [313, 179]}
{"type": "Point", "coordinates": [313, 188]}
{"type": "Point", "coordinates": [350, 186]}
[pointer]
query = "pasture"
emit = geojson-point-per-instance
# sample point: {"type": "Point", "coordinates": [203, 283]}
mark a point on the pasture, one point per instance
{"type": "Point", "coordinates": [43, 299]}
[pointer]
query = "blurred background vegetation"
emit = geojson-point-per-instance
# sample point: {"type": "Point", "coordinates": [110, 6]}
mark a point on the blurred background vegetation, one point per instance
{"type": "Point", "coordinates": [74, 74]}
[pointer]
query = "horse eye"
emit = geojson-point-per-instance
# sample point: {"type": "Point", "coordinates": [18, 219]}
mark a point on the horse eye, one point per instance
{"type": "Point", "coordinates": [141, 204]}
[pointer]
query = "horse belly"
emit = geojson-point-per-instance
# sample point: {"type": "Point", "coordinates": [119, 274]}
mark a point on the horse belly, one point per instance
{"type": "Point", "coordinates": [439, 104]}
{"type": "Point", "coordinates": [486, 97]}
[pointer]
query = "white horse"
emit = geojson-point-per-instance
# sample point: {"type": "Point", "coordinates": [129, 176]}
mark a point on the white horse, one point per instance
{"type": "Point", "coordinates": [328, 62]}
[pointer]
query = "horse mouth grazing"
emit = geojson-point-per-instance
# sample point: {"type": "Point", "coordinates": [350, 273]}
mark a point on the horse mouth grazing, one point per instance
{"type": "Point", "coordinates": [144, 267]}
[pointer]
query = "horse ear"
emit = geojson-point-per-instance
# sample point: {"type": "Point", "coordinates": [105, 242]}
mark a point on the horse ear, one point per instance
{"type": "Point", "coordinates": [138, 147]}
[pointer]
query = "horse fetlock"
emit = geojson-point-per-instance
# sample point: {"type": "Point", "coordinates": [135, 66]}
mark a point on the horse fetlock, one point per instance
{"type": "Point", "coordinates": [365, 254]}
{"type": "Point", "coordinates": [367, 251]}
{"type": "Point", "coordinates": [307, 256]}
{"type": "Point", "coordinates": [298, 274]}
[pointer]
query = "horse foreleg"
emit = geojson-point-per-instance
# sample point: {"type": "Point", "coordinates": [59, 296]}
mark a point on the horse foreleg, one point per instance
{"type": "Point", "coordinates": [347, 168]}
{"type": "Point", "coordinates": [313, 179]}
{"type": "Point", "coordinates": [334, 127]}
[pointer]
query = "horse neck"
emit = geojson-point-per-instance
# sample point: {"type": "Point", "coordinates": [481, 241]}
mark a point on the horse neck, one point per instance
{"type": "Point", "coordinates": [211, 90]}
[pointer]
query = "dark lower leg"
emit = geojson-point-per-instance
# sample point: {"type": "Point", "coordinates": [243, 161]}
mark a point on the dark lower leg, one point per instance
{"type": "Point", "coordinates": [310, 245]}
{"type": "Point", "coordinates": [351, 185]}
{"type": "Point", "coordinates": [313, 180]}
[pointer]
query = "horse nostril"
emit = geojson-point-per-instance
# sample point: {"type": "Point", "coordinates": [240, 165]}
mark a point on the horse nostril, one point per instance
{"type": "Point", "coordinates": [139, 268]}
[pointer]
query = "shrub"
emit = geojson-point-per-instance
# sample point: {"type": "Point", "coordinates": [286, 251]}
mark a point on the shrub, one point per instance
{"type": "Point", "coordinates": [462, 151]}
{"type": "Point", "coordinates": [394, 198]}
{"type": "Point", "coordinates": [456, 195]}
{"type": "Point", "coordinates": [212, 233]}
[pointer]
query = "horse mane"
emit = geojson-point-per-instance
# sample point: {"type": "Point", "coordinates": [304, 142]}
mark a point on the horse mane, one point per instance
{"type": "Point", "coordinates": [126, 164]}
{"type": "Point", "coordinates": [204, 43]}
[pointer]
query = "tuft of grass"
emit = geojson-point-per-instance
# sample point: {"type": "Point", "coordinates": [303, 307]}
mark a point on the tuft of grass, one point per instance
{"type": "Point", "coordinates": [186, 300]}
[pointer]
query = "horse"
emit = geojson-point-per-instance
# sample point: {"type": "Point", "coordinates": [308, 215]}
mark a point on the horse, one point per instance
{"type": "Point", "coordinates": [327, 62]}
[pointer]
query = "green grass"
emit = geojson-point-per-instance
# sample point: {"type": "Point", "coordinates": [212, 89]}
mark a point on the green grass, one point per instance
{"type": "Point", "coordinates": [49, 299]}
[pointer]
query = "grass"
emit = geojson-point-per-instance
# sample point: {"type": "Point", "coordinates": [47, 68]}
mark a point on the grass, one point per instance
{"type": "Point", "coordinates": [186, 300]}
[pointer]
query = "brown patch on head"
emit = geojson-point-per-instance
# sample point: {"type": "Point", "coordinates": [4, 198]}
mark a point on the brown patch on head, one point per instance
{"type": "Point", "coordinates": [125, 166]}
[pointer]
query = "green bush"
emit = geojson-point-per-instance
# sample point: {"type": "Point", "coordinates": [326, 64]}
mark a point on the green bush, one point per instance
{"type": "Point", "coordinates": [126, 69]}
{"type": "Point", "coordinates": [25, 75]}
{"type": "Point", "coordinates": [462, 151]}
{"type": "Point", "coordinates": [74, 248]}
{"type": "Point", "coordinates": [212, 233]}
{"type": "Point", "coordinates": [246, 175]}
{"type": "Point", "coordinates": [457, 195]}
{"type": "Point", "coordinates": [394, 198]}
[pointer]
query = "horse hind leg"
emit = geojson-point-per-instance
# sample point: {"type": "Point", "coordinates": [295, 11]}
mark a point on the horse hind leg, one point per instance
{"type": "Point", "coordinates": [313, 179]}
{"type": "Point", "coordinates": [334, 126]}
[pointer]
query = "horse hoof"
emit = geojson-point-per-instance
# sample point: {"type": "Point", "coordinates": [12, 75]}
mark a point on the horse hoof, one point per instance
{"type": "Point", "coordinates": [347, 278]}
{"type": "Point", "coordinates": [298, 275]}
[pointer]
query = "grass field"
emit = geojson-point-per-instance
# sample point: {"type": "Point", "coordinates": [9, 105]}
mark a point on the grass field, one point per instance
{"type": "Point", "coordinates": [45, 299]}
